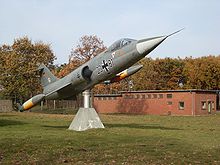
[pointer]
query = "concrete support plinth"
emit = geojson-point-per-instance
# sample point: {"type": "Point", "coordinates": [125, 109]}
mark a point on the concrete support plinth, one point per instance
{"type": "Point", "coordinates": [86, 117]}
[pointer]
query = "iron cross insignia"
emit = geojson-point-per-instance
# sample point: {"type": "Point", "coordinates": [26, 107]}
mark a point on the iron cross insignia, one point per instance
{"type": "Point", "coordinates": [105, 65]}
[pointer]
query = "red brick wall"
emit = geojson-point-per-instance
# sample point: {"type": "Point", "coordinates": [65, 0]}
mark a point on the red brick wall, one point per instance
{"type": "Point", "coordinates": [207, 98]}
{"type": "Point", "coordinates": [155, 104]}
{"type": "Point", "coordinates": [106, 106]}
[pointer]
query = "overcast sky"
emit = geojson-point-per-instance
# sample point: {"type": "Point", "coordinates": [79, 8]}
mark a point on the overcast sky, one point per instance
{"type": "Point", "coordinates": [62, 22]}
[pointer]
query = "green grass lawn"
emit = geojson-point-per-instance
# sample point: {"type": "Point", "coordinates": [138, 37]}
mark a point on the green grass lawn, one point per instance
{"type": "Point", "coordinates": [33, 138]}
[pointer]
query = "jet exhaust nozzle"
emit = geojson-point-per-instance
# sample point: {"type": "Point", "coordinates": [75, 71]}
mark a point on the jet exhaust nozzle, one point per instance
{"type": "Point", "coordinates": [32, 102]}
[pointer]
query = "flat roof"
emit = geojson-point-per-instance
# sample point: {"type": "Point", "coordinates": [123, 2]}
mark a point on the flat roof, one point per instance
{"type": "Point", "coordinates": [107, 95]}
{"type": "Point", "coordinates": [169, 91]}
{"type": "Point", "coordinates": [157, 91]}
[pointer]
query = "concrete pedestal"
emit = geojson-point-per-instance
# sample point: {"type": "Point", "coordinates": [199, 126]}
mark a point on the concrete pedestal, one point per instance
{"type": "Point", "coordinates": [86, 117]}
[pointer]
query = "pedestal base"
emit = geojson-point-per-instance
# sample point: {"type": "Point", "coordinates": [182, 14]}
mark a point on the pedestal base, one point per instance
{"type": "Point", "coordinates": [86, 118]}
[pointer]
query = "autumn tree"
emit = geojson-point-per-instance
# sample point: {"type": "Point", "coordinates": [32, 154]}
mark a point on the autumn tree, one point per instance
{"type": "Point", "coordinates": [145, 78]}
{"type": "Point", "coordinates": [158, 74]}
{"type": "Point", "coordinates": [112, 88]}
{"type": "Point", "coordinates": [18, 63]}
{"type": "Point", "coordinates": [88, 47]}
{"type": "Point", "coordinates": [203, 72]}
{"type": "Point", "coordinates": [169, 72]}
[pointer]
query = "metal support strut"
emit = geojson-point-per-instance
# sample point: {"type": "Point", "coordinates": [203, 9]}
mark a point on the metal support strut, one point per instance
{"type": "Point", "coordinates": [86, 117]}
{"type": "Point", "coordinates": [86, 97]}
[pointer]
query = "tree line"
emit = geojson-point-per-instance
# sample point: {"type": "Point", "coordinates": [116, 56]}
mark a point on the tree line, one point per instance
{"type": "Point", "coordinates": [18, 64]}
{"type": "Point", "coordinates": [19, 61]}
{"type": "Point", "coordinates": [177, 73]}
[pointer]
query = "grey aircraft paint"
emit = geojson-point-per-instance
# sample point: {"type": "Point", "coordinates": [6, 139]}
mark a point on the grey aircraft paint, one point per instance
{"type": "Point", "coordinates": [120, 56]}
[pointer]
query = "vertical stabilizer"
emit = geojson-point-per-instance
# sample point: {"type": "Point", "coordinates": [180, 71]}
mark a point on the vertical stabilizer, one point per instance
{"type": "Point", "coordinates": [46, 76]}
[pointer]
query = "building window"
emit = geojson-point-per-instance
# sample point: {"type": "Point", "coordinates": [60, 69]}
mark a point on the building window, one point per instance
{"type": "Point", "coordinates": [143, 96]}
{"type": "Point", "coordinates": [137, 96]}
{"type": "Point", "coordinates": [154, 96]}
{"type": "Point", "coordinates": [169, 96]}
{"type": "Point", "coordinates": [181, 105]}
{"type": "Point", "coordinates": [169, 102]}
{"type": "Point", "coordinates": [131, 96]}
{"type": "Point", "coordinates": [149, 96]}
{"type": "Point", "coordinates": [113, 98]}
{"type": "Point", "coordinates": [203, 105]}
{"type": "Point", "coordinates": [126, 96]}
{"type": "Point", "coordinates": [104, 98]}
{"type": "Point", "coordinates": [213, 105]}
{"type": "Point", "coordinates": [160, 96]}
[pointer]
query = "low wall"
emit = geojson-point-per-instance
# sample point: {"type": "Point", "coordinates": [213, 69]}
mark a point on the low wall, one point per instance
{"type": "Point", "coordinates": [6, 105]}
{"type": "Point", "coordinates": [61, 104]}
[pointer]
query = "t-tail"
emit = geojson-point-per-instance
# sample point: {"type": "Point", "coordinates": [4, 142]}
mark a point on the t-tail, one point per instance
{"type": "Point", "coordinates": [46, 78]}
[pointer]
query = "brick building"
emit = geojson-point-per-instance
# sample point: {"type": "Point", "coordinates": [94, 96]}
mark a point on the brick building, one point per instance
{"type": "Point", "coordinates": [159, 102]}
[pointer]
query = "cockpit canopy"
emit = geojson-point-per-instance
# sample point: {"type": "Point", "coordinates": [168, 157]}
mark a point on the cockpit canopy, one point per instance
{"type": "Point", "coordinates": [120, 43]}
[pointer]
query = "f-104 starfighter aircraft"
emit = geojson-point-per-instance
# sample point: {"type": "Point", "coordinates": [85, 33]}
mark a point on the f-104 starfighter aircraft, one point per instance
{"type": "Point", "coordinates": [112, 65]}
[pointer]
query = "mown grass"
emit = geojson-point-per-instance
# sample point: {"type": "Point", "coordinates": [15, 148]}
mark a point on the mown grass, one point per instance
{"type": "Point", "coordinates": [30, 138]}
{"type": "Point", "coordinates": [68, 111]}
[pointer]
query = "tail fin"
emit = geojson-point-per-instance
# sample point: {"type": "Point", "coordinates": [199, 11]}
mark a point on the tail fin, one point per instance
{"type": "Point", "coordinates": [46, 76]}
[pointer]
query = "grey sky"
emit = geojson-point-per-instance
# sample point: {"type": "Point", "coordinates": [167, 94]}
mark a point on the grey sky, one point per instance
{"type": "Point", "coordinates": [62, 22]}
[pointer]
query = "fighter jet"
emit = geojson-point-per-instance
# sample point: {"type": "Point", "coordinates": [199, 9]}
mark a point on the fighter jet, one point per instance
{"type": "Point", "coordinates": [112, 65]}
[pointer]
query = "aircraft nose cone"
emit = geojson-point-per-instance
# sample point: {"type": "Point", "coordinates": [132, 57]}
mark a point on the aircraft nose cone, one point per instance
{"type": "Point", "coordinates": [145, 46]}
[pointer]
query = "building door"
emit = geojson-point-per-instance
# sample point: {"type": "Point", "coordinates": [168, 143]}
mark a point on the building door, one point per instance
{"type": "Point", "coordinates": [209, 106]}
